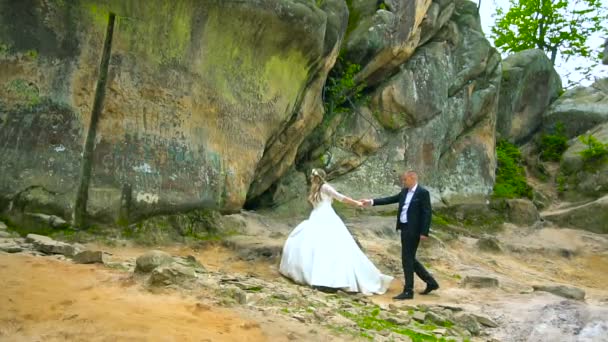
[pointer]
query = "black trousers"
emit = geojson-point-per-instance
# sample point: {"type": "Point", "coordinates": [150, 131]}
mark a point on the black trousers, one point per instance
{"type": "Point", "coordinates": [409, 245]}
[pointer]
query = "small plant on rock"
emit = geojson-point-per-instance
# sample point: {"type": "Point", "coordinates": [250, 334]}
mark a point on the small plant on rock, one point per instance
{"type": "Point", "coordinates": [553, 145]}
{"type": "Point", "coordinates": [510, 174]}
{"type": "Point", "coordinates": [596, 152]}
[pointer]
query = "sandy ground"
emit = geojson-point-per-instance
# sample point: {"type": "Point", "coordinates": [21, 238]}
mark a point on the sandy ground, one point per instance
{"type": "Point", "coordinates": [48, 300]}
{"type": "Point", "coordinates": [44, 299]}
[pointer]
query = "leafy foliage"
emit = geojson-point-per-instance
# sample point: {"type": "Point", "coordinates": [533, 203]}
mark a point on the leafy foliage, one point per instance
{"type": "Point", "coordinates": [553, 145]}
{"type": "Point", "coordinates": [554, 26]}
{"type": "Point", "coordinates": [510, 174]}
{"type": "Point", "coordinates": [596, 152]}
{"type": "Point", "coordinates": [341, 94]}
{"type": "Point", "coordinates": [341, 90]}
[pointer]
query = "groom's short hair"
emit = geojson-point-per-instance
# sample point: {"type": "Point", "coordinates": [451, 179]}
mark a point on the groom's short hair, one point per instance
{"type": "Point", "coordinates": [411, 173]}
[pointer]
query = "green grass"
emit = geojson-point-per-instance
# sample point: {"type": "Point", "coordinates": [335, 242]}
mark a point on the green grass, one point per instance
{"type": "Point", "coordinates": [369, 320]}
{"type": "Point", "coordinates": [441, 220]}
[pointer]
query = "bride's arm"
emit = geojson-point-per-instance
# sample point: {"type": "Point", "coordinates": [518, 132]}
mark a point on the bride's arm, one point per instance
{"type": "Point", "coordinates": [328, 189]}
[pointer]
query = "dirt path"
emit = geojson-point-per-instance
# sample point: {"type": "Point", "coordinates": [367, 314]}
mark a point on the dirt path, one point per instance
{"type": "Point", "coordinates": [49, 300]}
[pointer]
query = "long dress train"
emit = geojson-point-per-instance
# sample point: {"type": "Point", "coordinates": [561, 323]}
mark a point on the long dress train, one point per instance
{"type": "Point", "coordinates": [320, 251]}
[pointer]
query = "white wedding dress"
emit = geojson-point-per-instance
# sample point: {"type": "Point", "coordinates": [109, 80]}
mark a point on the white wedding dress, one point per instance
{"type": "Point", "coordinates": [321, 251]}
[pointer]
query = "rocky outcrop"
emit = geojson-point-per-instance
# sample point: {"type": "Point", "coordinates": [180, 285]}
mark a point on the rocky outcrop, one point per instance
{"type": "Point", "coordinates": [580, 179]}
{"type": "Point", "coordinates": [199, 106]}
{"type": "Point", "coordinates": [529, 85]}
{"type": "Point", "coordinates": [579, 109]}
{"type": "Point", "coordinates": [521, 212]}
{"type": "Point", "coordinates": [569, 292]}
{"type": "Point", "coordinates": [479, 282]}
{"type": "Point", "coordinates": [208, 110]}
{"type": "Point", "coordinates": [150, 260]}
{"type": "Point", "coordinates": [47, 245]}
{"type": "Point", "coordinates": [90, 257]}
{"type": "Point", "coordinates": [437, 115]}
{"type": "Point", "coordinates": [381, 39]}
{"type": "Point", "coordinates": [591, 216]}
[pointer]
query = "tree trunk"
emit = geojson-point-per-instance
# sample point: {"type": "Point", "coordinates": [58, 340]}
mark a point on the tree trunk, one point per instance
{"type": "Point", "coordinates": [80, 207]}
{"type": "Point", "coordinates": [553, 54]}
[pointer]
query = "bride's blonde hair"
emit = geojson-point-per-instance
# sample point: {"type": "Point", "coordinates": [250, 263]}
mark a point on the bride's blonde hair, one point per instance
{"type": "Point", "coordinates": [317, 181]}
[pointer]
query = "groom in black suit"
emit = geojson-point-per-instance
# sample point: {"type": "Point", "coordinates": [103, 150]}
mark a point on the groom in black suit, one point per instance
{"type": "Point", "coordinates": [413, 220]}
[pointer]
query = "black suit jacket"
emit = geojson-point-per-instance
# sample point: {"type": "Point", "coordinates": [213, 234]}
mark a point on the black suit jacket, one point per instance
{"type": "Point", "coordinates": [418, 213]}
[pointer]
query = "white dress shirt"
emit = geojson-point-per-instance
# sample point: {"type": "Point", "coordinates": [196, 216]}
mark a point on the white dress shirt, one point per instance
{"type": "Point", "coordinates": [406, 205]}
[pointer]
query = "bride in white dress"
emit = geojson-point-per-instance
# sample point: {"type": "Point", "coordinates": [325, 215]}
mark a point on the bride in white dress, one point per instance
{"type": "Point", "coordinates": [321, 252]}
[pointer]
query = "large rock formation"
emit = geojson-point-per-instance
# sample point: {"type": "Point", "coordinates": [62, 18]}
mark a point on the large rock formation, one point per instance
{"type": "Point", "coordinates": [204, 98]}
{"type": "Point", "coordinates": [437, 114]}
{"type": "Point", "coordinates": [205, 109]}
{"type": "Point", "coordinates": [529, 85]}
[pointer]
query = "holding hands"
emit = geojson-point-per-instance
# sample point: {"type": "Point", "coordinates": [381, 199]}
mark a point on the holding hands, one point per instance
{"type": "Point", "coordinates": [365, 203]}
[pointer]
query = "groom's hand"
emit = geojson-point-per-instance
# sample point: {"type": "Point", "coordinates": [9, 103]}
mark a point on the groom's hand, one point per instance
{"type": "Point", "coordinates": [366, 202]}
{"type": "Point", "coordinates": [423, 237]}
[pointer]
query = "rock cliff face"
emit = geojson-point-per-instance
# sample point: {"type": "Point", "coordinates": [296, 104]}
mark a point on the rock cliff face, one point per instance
{"type": "Point", "coordinates": [204, 98]}
{"type": "Point", "coordinates": [206, 109]}
{"type": "Point", "coordinates": [435, 112]}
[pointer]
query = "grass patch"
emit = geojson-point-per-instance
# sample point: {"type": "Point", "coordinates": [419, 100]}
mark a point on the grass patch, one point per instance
{"type": "Point", "coordinates": [441, 220]}
{"type": "Point", "coordinates": [510, 174]}
{"type": "Point", "coordinates": [370, 320]}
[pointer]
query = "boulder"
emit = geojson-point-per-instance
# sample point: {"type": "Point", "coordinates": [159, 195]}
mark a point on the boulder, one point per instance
{"type": "Point", "coordinates": [477, 281]}
{"type": "Point", "coordinates": [90, 257]}
{"type": "Point", "coordinates": [485, 320]}
{"type": "Point", "coordinates": [150, 260]}
{"type": "Point", "coordinates": [488, 244]}
{"type": "Point", "coordinates": [47, 245]}
{"type": "Point", "coordinates": [172, 274]}
{"type": "Point", "coordinates": [579, 109]}
{"type": "Point", "coordinates": [529, 85]}
{"type": "Point", "coordinates": [419, 316]}
{"type": "Point", "coordinates": [52, 221]}
{"type": "Point", "coordinates": [591, 216]}
{"type": "Point", "coordinates": [522, 212]}
{"type": "Point", "coordinates": [10, 248]}
{"type": "Point", "coordinates": [468, 322]}
{"type": "Point", "coordinates": [569, 292]}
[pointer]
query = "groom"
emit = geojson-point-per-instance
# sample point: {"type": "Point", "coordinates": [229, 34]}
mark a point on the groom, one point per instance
{"type": "Point", "coordinates": [413, 220]}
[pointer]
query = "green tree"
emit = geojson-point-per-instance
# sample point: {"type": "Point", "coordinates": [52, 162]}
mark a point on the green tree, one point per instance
{"type": "Point", "coordinates": [554, 26]}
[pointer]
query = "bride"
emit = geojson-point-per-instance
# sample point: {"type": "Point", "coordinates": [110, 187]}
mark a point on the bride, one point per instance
{"type": "Point", "coordinates": [321, 252]}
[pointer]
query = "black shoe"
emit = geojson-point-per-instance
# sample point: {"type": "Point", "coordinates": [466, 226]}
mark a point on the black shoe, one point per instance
{"type": "Point", "coordinates": [429, 288]}
{"type": "Point", "coordinates": [404, 295]}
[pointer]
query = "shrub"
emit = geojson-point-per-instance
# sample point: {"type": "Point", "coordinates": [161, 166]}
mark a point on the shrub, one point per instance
{"type": "Point", "coordinates": [553, 145]}
{"type": "Point", "coordinates": [510, 174]}
{"type": "Point", "coordinates": [596, 152]}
